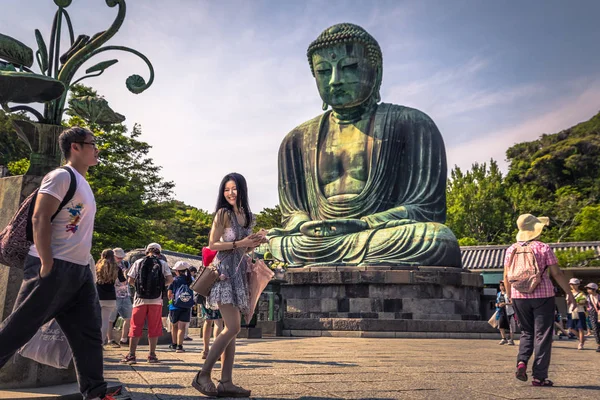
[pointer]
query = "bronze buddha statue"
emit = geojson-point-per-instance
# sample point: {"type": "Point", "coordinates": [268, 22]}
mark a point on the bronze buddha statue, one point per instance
{"type": "Point", "coordinates": [365, 182]}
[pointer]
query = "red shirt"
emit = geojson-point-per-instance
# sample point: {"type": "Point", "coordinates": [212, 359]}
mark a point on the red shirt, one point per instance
{"type": "Point", "coordinates": [544, 257]}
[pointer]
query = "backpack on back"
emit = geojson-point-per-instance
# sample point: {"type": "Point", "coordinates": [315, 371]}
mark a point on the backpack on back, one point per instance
{"type": "Point", "coordinates": [522, 270]}
{"type": "Point", "coordinates": [183, 297]}
{"type": "Point", "coordinates": [17, 237]}
{"type": "Point", "coordinates": [150, 281]}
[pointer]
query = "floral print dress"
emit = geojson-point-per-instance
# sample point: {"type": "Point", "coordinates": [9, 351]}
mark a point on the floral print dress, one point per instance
{"type": "Point", "coordinates": [234, 288]}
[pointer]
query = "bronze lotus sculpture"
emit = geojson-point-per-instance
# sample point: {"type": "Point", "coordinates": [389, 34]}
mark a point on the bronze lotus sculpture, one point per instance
{"type": "Point", "coordinates": [19, 84]}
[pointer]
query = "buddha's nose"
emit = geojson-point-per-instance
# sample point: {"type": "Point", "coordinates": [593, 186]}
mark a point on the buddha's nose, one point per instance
{"type": "Point", "coordinates": [335, 77]}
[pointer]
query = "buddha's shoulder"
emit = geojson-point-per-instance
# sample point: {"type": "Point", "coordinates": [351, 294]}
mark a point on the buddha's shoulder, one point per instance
{"type": "Point", "coordinates": [303, 128]}
{"type": "Point", "coordinates": [403, 113]}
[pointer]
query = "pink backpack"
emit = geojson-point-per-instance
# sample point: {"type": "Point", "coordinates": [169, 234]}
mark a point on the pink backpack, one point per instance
{"type": "Point", "coordinates": [522, 270]}
{"type": "Point", "coordinates": [17, 237]}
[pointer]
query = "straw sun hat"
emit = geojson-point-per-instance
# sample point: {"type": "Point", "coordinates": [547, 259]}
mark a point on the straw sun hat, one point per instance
{"type": "Point", "coordinates": [530, 227]}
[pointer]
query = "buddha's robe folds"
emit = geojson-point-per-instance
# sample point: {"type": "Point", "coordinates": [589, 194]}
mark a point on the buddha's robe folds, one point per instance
{"type": "Point", "coordinates": [403, 201]}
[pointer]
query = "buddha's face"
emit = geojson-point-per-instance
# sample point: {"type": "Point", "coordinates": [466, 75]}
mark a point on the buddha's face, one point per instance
{"type": "Point", "coordinates": [344, 75]}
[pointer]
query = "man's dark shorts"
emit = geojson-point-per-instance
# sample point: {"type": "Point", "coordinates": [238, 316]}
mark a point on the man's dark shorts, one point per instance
{"type": "Point", "coordinates": [180, 315]}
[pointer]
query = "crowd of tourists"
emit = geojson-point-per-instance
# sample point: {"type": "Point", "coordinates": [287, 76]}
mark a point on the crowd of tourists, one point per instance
{"type": "Point", "coordinates": [581, 320]}
{"type": "Point", "coordinates": [85, 302]}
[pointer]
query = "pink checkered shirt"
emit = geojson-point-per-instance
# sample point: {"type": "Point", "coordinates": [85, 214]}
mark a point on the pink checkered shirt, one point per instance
{"type": "Point", "coordinates": [545, 257]}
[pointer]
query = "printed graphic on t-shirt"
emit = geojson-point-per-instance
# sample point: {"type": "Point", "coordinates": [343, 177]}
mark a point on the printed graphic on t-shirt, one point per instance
{"type": "Point", "coordinates": [75, 219]}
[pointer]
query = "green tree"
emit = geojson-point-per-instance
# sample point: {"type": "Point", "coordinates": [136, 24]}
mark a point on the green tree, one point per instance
{"type": "Point", "coordinates": [478, 206]}
{"type": "Point", "coordinates": [11, 148]}
{"type": "Point", "coordinates": [188, 226]}
{"type": "Point", "coordinates": [588, 224]}
{"type": "Point", "coordinates": [269, 218]}
{"type": "Point", "coordinates": [130, 193]}
{"type": "Point", "coordinates": [557, 176]}
{"type": "Point", "coordinates": [18, 167]}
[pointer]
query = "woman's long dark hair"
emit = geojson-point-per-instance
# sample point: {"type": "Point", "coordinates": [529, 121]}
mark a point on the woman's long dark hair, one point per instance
{"type": "Point", "coordinates": [241, 199]}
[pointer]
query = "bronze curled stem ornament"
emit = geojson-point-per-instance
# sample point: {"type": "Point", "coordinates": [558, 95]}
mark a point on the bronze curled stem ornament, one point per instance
{"type": "Point", "coordinates": [58, 69]}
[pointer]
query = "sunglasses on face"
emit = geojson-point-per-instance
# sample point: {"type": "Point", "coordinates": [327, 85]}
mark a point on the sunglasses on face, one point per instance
{"type": "Point", "coordinates": [93, 144]}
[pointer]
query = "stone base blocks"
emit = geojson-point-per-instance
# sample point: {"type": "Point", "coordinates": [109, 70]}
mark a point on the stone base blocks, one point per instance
{"type": "Point", "coordinates": [382, 299]}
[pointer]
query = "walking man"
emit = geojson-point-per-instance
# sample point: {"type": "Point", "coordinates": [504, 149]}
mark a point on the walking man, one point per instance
{"type": "Point", "coordinates": [528, 266]}
{"type": "Point", "coordinates": [58, 282]}
{"type": "Point", "coordinates": [149, 275]}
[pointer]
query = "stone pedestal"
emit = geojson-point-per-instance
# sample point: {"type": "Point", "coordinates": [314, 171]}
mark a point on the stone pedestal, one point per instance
{"type": "Point", "coordinates": [382, 299]}
{"type": "Point", "coordinates": [21, 372]}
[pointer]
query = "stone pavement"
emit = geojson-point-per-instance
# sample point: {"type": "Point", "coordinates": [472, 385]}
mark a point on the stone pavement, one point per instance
{"type": "Point", "coordinates": [361, 368]}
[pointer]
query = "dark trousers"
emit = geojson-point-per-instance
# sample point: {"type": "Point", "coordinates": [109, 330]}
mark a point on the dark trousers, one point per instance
{"type": "Point", "coordinates": [536, 317]}
{"type": "Point", "coordinates": [69, 295]}
{"type": "Point", "coordinates": [595, 325]}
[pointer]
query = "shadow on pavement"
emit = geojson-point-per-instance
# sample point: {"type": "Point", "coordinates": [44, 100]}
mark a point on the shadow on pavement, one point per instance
{"type": "Point", "coordinates": [279, 361]}
{"type": "Point", "coordinates": [579, 387]}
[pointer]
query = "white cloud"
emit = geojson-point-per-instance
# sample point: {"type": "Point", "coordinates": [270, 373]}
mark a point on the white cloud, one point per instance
{"type": "Point", "coordinates": [563, 113]}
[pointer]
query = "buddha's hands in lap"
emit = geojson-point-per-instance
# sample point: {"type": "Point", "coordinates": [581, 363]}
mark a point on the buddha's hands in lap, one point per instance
{"type": "Point", "coordinates": [333, 227]}
{"type": "Point", "coordinates": [393, 217]}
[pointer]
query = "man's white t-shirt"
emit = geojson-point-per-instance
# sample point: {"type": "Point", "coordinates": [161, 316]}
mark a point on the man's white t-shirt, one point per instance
{"type": "Point", "coordinates": [133, 273]}
{"type": "Point", "coordinates": [73, 226]}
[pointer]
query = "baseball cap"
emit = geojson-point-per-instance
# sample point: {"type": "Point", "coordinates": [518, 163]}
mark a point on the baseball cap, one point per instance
{"type": "Point", "coordinates": [574, 281]}
{"type": "Point", "coordinates": [181, 265]}
{"type": "Point", "coordinates": [592, 286]}
{"type": "Point", "coordinates": [154, 246]}
{"type": "Point", "coordinates": [119, 252]}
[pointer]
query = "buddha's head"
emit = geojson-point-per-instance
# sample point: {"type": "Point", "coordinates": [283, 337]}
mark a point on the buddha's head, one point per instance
{"type": "Point", "coordinates": [346, 62]}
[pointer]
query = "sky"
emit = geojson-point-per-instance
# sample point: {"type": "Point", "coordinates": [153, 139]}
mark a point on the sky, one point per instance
{"type": "Point", "coordinates": [232, 78]}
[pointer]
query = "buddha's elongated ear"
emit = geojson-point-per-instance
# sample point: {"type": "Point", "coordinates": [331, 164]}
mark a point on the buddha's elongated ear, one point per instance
{"type": "Point", "coordinates": [377, 88]}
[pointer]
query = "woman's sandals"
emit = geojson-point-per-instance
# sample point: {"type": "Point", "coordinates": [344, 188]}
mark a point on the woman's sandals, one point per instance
{"type": "Point", "coordinates": [205, 385]}
{"type": "Point", "coordinates": [232, 391]}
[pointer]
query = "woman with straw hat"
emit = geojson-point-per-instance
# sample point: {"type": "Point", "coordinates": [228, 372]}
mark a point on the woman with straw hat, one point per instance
{"type": "Point", "coordinates": [528, 265]}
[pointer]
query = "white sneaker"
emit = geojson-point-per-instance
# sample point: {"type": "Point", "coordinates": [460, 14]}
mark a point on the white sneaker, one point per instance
{"type": "Point", "coordinates": [503, 341]}
{"type": "Point", "coordinates": [511, 342]}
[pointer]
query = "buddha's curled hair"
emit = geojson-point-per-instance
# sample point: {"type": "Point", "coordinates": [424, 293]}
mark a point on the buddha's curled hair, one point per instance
{"type": "Point", "coordinates": [346, 33]}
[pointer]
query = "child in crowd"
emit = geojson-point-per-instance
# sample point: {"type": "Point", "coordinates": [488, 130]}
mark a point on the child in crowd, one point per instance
{"type": "Point", "coordinates": [181, 301]}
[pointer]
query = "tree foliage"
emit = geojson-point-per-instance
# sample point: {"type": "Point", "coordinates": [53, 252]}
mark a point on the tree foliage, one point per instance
{"type": "Point", "coordinates": [269, 218]}
{"type": "Point", "coordinates": [11, 148]}
{"type": "Point", "coordinates": [478, 207]}
{"type": "Point", "coordinates": [557, 175]}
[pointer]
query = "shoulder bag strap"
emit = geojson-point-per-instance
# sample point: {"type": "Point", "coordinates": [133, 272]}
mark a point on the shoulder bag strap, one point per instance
{"type": "Point", "coordinates": [70, 193]}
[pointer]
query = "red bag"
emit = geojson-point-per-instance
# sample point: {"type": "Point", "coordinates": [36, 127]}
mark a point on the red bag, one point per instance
{"type": "Point", "coordinates": [208, 256]}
